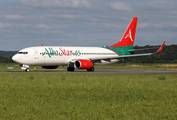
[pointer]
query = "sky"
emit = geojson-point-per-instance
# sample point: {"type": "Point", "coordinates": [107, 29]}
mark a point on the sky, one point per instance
{"type": "Point", "coordinates": [26, 23]}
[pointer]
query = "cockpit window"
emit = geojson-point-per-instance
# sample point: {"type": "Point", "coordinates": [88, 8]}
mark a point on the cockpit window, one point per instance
{"type": "Point", "coordinates": [23, 53]}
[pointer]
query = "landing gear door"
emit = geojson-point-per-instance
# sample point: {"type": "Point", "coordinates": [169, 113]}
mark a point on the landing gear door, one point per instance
{"type": "Point", "coordinates": [36, 55]}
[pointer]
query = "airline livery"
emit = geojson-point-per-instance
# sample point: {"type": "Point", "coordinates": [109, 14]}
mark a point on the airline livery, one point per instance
{"type": "Point", "coordinates": [50, 57]}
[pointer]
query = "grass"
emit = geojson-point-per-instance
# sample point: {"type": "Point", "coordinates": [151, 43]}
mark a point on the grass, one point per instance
{"type": "Point", "coordinates": [87, 96]}
{"type": "Point", "coordinates": [162, 77]}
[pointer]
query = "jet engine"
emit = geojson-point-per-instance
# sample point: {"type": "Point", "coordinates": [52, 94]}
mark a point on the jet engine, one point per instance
{"type": "Point", "coordinates": [49, 67]}
{"type": "Point", "coordinates": [83, 64]}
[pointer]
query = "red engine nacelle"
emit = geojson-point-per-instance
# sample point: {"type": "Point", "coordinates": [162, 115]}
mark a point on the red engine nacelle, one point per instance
{"type": "Point", "coordinates": [49, 67]}
{"type": "Point", "coordinates": [83, 64]}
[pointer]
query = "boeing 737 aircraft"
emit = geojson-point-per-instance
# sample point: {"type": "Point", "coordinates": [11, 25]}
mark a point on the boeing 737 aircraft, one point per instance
{"type": "Point", "coordinates": [50, 57]}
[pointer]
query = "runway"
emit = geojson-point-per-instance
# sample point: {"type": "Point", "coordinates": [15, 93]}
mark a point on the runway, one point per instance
{"type": "Point", "coordinates": [128, 71]}
{"type": "Point", "coordinates": [115, 71]}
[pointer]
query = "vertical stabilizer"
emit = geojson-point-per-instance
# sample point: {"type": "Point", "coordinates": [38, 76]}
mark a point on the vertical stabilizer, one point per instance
{"type": "Point", "coordinates": [129, 35]}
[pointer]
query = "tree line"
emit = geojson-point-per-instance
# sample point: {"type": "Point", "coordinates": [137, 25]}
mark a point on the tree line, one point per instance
{"type": "Point", "coordinates": [5, 60]}
{"type": "Point", "coordinates": [168, 55]}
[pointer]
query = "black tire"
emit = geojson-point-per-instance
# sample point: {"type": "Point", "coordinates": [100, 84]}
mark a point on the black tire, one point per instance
{"type": "Point", "coordinates": [69, 69]}
{"type": "Point", "coordinates": [72, 68]}
{"type": "Point", "coordinates": [91, 69]}
{"type": "Point", "coordinates": [27, 70]}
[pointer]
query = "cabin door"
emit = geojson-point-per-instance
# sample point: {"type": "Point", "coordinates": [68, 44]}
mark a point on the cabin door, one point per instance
{"type": "Point", "coordinates": [36, 55]}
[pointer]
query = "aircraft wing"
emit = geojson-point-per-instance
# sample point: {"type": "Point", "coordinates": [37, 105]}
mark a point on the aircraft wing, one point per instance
{"type": "Point", "coordinates": [125, 56]}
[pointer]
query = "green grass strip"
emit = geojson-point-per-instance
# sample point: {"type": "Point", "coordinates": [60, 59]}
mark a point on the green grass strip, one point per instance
{"type": "Point", "coordinates": [87, 96]}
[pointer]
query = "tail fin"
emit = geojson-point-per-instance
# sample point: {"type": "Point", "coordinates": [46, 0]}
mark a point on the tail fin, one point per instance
{"type": "Point", "coordinates": [129, 35]}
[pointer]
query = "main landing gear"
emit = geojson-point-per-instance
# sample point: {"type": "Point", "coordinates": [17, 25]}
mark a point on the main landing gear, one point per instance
{"type": "Point", "coordinates": [70, 69]}
{"type": "Point", "coordinates": [91, 69]}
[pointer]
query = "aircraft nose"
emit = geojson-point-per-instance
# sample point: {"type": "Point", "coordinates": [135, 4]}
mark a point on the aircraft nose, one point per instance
{"type": "Point", "coordinates": [15, 58]}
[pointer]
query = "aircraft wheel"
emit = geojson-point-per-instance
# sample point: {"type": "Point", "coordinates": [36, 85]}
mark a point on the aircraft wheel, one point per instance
{"type": "Point", "coordinates": [70, 69]}
{"type": "Point", "coordinates": [27, 70]}
{"type": "Point", "coordinates": [91, 69]}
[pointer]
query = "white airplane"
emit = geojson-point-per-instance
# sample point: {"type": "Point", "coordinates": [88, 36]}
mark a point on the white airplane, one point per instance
{"type": "Point", "coordinates": [50, 57]}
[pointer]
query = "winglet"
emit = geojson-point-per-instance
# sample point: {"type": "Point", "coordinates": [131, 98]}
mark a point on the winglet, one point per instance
{"type": "Point", "coordinates": [160, 49]}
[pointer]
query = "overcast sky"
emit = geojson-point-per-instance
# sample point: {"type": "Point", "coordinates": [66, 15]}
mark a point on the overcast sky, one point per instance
{"type": "Point", "coordinates": [26, 23]}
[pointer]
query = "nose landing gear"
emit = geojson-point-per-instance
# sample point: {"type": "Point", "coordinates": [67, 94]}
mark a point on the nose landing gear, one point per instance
{"type": "Point", "coordinates": [25, 67]}
{"type": "Point", "coordinates": [27, 70]}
